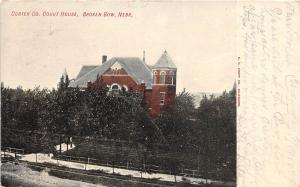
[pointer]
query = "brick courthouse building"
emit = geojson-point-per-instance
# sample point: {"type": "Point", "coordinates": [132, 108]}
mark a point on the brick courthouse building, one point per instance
{"type": "Point", "coordinates": [157, 83]}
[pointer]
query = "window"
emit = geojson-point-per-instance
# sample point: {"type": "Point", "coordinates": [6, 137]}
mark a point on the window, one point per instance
{"type": "Point", "coordinates": [162, 98]}
{"type": "Point", "coordinates": [172, 77]}
{"type": "Point", "coordinates": [155, 77]}
{"type": "Point", "coordinates": [162, 77]}
{"type": "Point", "coordinates": [115, 89]}
{"type": "Point", "coordinates": [124, 89]}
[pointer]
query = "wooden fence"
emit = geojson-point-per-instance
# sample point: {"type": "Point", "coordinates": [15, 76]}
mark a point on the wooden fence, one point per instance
{"type": "Point", "coordinates": [143, 168]}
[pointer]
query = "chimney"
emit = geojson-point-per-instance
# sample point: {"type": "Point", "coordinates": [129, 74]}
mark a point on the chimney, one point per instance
{"type": "Point", "coordinates": [104, 59]}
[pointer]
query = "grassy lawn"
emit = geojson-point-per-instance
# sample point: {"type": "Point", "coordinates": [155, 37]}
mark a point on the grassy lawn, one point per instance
{"type": "Point", "coordinates": [134, 157]}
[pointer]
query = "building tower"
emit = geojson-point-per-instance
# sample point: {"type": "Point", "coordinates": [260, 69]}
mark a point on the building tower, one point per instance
{"type": "Point", "coordinates": [164, 83]}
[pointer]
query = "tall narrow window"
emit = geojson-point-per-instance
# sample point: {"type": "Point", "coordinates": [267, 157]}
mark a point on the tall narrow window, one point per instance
{"type": "Point", "coordinates": [155, 77]}
{"type": "Point", "coordinates": [162, 77]}
{"type": "Point", "coordinates": [162, 98]}
{"type": "Point", "coordinates": [171, 77]}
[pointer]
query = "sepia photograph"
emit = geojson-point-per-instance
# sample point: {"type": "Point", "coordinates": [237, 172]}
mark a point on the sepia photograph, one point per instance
{"type": "Point", "coordinates": [118, 94]}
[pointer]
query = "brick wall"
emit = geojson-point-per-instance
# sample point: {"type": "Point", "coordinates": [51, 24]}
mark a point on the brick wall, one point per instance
{"type": "Point", "coordinates": [105, 80]}
{"type": "Point", "coordinates": [151, 97]}
{"type": "Point", "coordinates": [154, 98]}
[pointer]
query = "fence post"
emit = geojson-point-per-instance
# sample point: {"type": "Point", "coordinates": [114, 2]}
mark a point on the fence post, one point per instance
{"type": "Point", "coordinates": [35, 157]}
{"type": "Point", "coordinates": [60, 144]}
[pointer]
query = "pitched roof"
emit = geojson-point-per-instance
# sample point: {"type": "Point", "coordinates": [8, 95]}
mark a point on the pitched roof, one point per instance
{"type": "Point", "coordinates": [150, 66]}
{"type": "Point", "coordinates": [134, 66]}
{"type": "Point", "coordinates": [164, 61]}
{"type": "Point", "coordinates": [84, 70]}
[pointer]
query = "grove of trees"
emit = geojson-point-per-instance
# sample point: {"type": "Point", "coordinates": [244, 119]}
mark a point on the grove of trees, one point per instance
{"type": "Point", "coordinates": [38, 119]}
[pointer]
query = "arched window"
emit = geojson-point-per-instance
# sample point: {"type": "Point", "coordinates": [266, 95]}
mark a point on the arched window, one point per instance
{"type": "Point", "coordinates": [124, 88]}
{"type": "Point", "coordinates": [171, 73]}
{"type": "Point", "coordinates": [155, 77]}
{"type": "Point", "coordinates": [115, 89]}
{"type": "Point", "coordinates": [162, 78]}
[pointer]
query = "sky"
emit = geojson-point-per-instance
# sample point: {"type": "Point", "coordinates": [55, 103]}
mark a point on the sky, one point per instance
{"type": "Point", "coordinates": [199, 36]}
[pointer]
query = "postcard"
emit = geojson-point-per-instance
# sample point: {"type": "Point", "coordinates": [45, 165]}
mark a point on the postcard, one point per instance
{"type": "Point", "coordinates": [150, 93]}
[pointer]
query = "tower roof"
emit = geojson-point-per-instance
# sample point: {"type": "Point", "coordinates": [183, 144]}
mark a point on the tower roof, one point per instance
{"type": "Point", "coordinates": [164, 61]}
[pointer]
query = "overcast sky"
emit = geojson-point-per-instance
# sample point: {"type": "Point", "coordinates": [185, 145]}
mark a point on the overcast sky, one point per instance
{"type": "Point", "coordinates": [199, 37]}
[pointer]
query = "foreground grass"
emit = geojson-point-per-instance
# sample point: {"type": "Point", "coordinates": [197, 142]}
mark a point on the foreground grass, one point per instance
{"type": "Point", "coordinates": [126, 155]}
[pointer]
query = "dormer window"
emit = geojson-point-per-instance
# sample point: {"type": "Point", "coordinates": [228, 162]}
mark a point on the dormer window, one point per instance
{"type": "Point", "coordinates": [162, 78]}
